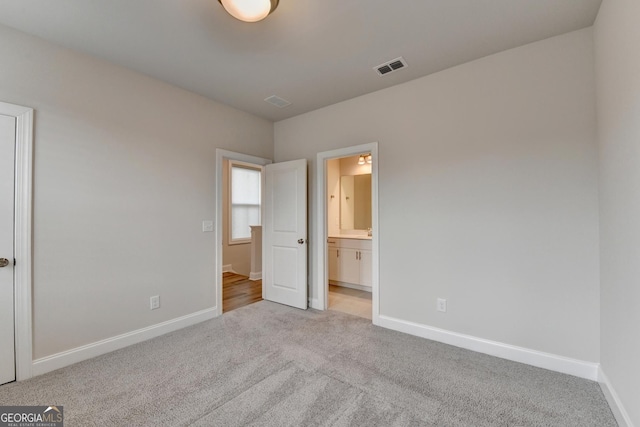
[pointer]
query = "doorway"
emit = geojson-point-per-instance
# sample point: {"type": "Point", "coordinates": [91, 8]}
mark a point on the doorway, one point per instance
{"type": "Point", "coordinates": [355, 255]}
{"type": "Point", "coordinates": [349, 230]}
{"type": "Point", "coordinates": [16, 156]}
{"type": "Point", "coordinates": [241, 234]}
{"type": "Point", "coordinates": [237, 280]}
{"type": "Point", "coordinates": [284, 214]}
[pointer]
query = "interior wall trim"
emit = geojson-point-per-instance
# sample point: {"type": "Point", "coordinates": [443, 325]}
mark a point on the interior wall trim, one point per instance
{"type": "Point", "coordinates": [619, 412]}
{"type": "Point", "coordinates": [78, 354]}
{"type": "Point", "coordinates": [565, 365]}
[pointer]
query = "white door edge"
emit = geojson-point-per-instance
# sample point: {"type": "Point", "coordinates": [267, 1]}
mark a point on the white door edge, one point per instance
{"type": "Point", "coordinates": [23, 237]}
{"type": "Point", "coordinates": [320, 235]}
{"type": "Point", "coordinates": [221, 155]}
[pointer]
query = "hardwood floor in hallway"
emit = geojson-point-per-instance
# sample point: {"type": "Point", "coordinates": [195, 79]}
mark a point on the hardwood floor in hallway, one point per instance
{"type": "Point", "coordinates": [238, 291]}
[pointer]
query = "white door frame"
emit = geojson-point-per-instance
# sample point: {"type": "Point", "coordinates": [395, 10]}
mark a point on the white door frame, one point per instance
{"type": "Point", "coordinates": [23, 221]}
{"type": "Point", "coordinates": [321, 225]}
{"type": "Point", "coordinates": [220, 156]}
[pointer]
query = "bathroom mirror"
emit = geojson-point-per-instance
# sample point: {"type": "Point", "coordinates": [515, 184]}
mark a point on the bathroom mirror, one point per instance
{"type": "Point", "coordinates": [355, 202]}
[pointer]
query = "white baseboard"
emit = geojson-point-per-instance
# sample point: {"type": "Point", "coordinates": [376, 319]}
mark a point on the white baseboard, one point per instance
{"type": "Point", "coordinates": [227, 268]}
{"type": "Point", "coordinates": [69, 357]}
{"type": "Point", "coordinates": [621, 415]}
{"type": "Point", "coordinates": [565, 365]}
{"type": "Point", "coordinates": [255, 276]}
{"type": "Point", "coordinates": [315, 303]}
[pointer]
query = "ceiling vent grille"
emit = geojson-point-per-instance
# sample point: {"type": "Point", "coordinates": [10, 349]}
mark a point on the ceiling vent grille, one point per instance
{"type": "Point", "coordinates": [277, 101]}
{"type": "Point", "coordinates": [391, 66]}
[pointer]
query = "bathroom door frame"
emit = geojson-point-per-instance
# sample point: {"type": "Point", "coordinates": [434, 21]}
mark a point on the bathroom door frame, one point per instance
{"type": "Point", "coordinates": [321, 236]}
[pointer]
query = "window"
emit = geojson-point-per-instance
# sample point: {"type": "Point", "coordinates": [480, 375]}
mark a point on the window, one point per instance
{"type": "Point", "coordinates": [245, 194]}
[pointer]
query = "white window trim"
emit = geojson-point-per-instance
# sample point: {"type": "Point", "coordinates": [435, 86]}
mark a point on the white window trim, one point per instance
{"type": "Point", "coordinates": [245, 165]}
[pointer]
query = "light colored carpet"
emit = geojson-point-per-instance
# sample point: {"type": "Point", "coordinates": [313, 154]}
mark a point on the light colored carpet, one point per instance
{"type": "Point", "coordinates": [271, 365]}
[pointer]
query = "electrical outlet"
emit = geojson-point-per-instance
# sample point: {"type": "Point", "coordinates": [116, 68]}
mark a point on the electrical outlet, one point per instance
{"type": "Point", "coordinates": [442, 304]}
{"type": "Point", "coordinates": [154, 302]}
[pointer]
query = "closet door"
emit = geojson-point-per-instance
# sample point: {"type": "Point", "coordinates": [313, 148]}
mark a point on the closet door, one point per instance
{"type": "Point", "coordinates": [7, 338]}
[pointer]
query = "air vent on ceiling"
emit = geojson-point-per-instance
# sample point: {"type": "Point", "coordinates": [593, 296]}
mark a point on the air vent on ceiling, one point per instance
{"type": "Point", "coordinates": [277, 101]}
{"type": "Point", "coordinates": [391, 66]}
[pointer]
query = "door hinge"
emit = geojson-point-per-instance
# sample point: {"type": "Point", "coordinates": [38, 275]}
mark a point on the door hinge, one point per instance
{"type": "Point", "coordinates": [14, 262]}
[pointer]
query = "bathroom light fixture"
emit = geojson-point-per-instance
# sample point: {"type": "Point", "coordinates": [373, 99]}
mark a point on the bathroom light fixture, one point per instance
{"type": "Point", "coordinates": [249, 10]}
{"type": "Point", "coordinates": [364, 158]}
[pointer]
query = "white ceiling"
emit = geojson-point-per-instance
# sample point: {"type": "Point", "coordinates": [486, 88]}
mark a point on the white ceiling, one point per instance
{"type": "Point", "coordinates": [310, 52]}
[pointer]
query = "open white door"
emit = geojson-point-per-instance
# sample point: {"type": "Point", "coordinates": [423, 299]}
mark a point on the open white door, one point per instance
{"type": "Point", "coordinates": [284, 257]}
{"type": "Point", "coordinates": [7, 156]}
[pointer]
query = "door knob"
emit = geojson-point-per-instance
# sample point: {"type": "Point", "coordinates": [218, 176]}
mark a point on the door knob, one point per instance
{"type": "Point", "coordinates": [4, 262]}
{"type": "Point", "coordinates": [301, 241]}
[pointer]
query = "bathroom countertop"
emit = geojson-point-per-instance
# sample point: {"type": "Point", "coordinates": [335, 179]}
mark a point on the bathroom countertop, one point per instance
{"type": "Point", "coordinates": [350, 236]}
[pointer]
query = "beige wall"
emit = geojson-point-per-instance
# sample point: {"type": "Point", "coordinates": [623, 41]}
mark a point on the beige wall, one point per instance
{"type": "Point", "coordinates": [333, 204]}
{"type": "Point", "coordinates": [487, 191]}
{"type": "Point", "coordinates": [350, 166]}
{"type": "Point", "coordinates": [617, 43]}
{"type": "Point", "coordinates": [124, 176]}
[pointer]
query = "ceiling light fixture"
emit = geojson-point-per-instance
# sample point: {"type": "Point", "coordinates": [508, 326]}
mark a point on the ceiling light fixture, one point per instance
{"type": "Point", "coordinates": [249, 10]}
{"type": "Point", "coordinates": [361, 159]}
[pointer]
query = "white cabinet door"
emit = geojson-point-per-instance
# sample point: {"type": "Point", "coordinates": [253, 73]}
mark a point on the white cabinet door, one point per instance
{"type": "Point", "coordinates": [334, 253]}
{"type": "Point", "coordinates": [349, 266]}
{"type": "Point", "coordinates": [366, 267]}
{"type": "Point", "coordinates": [350, 262]}
{"type": "Point", "coordinates": [285, 233]}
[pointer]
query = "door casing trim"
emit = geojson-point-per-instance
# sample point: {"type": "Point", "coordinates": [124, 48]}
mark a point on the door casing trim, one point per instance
{"type": "Point", "coordinates": [23, 237]}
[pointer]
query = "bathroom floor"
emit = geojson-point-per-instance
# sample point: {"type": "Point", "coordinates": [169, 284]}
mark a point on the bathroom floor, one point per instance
{"type": "Point", "coordinates": [350, 301]}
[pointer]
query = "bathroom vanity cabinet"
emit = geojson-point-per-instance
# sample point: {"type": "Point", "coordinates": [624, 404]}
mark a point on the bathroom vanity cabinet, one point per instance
{"type": "Point", "coordinates": [350, 262]}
